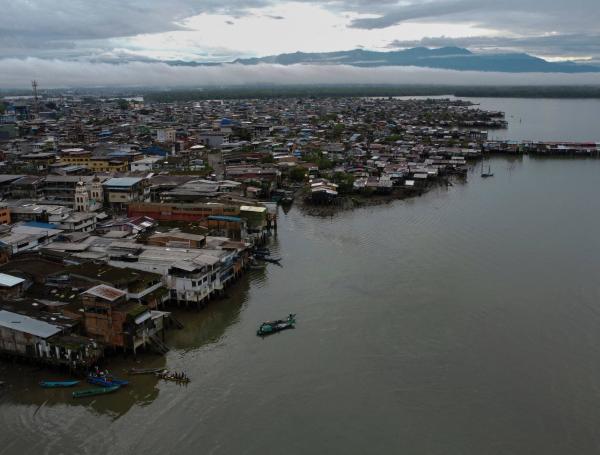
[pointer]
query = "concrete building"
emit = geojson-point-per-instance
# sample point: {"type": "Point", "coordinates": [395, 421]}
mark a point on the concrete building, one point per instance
{"type": "Point", "coordinates": [119, 192]}
{"type": "Point", "coordinates": [62, 189]}
{"type": "Point", "coordinates": [145, 164]}
{"type": "Point", "coordinates": [166, 135]}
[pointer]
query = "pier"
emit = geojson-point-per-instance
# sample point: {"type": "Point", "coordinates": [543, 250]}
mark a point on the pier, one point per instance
{"type": "Point", "coordinates": [541, 148]}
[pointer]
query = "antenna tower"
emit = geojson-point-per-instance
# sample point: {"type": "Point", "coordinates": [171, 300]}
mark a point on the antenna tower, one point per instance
{"type": "Point", "coordinates": [34, 86]}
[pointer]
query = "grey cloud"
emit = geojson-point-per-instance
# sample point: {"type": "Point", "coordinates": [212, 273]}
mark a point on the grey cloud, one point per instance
{"type": "Point", "coordinates": [514, 15]}
{"type": "Point", "coordinates": [79, 28]}
{"type": "Point", "coordinates": [81, 19]}
{"type": "Point", "coordinates": [417, 11]}
{"type": "Point", "coordinates": [57, 73]}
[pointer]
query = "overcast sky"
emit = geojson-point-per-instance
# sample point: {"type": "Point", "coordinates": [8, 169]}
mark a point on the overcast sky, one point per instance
{"type": "Point", "coordinates": [120, 31]}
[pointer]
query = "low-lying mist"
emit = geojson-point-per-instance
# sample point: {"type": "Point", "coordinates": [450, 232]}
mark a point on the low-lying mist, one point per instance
{"type": "Point", "coordinates": [18, 73]}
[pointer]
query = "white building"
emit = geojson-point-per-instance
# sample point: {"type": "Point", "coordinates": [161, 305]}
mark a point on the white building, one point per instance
{"type": "Point", "coordinates": [165, 135]}
{"type": "Point", "coordinates": [145, 164]}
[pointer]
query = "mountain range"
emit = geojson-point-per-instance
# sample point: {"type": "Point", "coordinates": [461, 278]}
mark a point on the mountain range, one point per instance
{"type": "Point", "coordinates": [451, 58]}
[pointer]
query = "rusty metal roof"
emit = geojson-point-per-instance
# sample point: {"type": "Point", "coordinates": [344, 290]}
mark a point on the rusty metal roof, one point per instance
{"type": "Point", "coordinates": [106, 292]}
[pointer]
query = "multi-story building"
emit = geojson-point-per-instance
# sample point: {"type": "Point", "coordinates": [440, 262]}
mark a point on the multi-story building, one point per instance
{"type": "Point", "coordinates": [181, 212]}
{"type": "Point", "coordinates": [166, 135]}
{"type": "Point", "coordinates": [110, 318]}
{"type": "Point", "coordinates": [62, 189]}
{"type": "Point", "coordinates": [119, 192]}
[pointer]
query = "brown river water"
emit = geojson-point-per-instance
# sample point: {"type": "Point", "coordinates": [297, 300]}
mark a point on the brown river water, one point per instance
{"type": "Point", "coordinates": [465, 321]}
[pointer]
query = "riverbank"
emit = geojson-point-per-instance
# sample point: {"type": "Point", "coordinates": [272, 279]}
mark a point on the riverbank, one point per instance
{"type": "Point", "coordinates": [356, 200]}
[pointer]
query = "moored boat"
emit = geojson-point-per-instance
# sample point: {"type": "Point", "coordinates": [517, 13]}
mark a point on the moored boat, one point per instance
{"type": "Point", "coordinates": [95, 391]}
{"type": "Point", "coordinates": [487, 174]}
{"type": "Point", "coordinates": [57, 384]}
{"type": "Point", "coordinates": [270, 259]}
{"type": "Point", "coordinates": [106, 380]}
{"type": "Point", "coordinates": [146, 370]}
{"type": "Point", "coordinates": [270, 327]}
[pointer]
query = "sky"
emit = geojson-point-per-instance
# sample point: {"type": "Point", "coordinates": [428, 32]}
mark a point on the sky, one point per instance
{"type": "Point", "coordinates": [87, 36]}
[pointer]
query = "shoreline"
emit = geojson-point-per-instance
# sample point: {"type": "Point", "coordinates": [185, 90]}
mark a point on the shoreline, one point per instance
{"type": "Point", "coordinates": [356, 201]}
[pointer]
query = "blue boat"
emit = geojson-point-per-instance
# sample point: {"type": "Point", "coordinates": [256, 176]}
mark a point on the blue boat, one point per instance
{"type": "Point", "coordinates": [58, 384]}
{"type": "Point", "coordinates": [106, 381]}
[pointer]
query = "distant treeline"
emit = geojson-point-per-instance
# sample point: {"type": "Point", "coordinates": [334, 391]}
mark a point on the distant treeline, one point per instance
{"type": "Point", "coordinates": [321, 91]}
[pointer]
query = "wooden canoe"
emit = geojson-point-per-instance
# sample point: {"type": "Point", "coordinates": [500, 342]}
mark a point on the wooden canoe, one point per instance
{"type": "Point", "coordinates": [95, 391]}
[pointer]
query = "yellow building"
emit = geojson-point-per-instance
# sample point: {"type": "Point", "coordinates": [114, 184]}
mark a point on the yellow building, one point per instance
{"type": "Point", "coordinates": [80, 157]}
{"type": "Point", "coordinates": [100, 164]}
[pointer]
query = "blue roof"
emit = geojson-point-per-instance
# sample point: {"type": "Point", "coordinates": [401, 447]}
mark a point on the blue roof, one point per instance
{"type": "Point", "coordinates": [41, 225]}
{"type": "Point", "coordinates": [233, 219]}
{"type": "Point", "coordinates": [155, 150]}
{"type": "Point", "coordinates": [122, 181]}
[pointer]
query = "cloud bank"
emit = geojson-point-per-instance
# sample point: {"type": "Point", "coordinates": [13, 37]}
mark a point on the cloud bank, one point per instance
{"type": "Point", "coordinates": [17, 73]}
{"type": "Point", "coordinates": [68, 29]}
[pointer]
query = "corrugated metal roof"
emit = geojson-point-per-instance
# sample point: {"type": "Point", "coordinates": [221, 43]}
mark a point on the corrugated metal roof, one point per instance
{"type": "Point", "coordinates": [123, 181]}
{"type": "Point", "coordinates": [25, 324]}
{"type": "Point", "coordinates": [248, 208]}
{"type": "Point", "coordinates": [186, 266]}
{"type": "Point", "coordinates": [143, 317]}
{"type": "Point", "coordinates": [106, 292]}
{"type": "Point", "coordinates": [9, 280]}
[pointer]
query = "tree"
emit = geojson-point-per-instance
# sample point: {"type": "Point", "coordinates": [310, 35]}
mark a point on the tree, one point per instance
{"type": "Point", "coordinates": [344, 181]}
{"type": "Point", "coordinates": [297, 174]}
{"type": "Point", "coordinates": [123, 104]}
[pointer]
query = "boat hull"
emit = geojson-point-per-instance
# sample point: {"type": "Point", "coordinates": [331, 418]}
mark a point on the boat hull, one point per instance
{"type": "Point", "coordinates": [106, 381]}
{"type": "Point", "coordinates": [146, 370]}
{"type": "Point", "coordinates": [57, 384]}
{"type": "Point", "coordinates": [271, 327]}
{"type": "Point", "coordinates": [95, 391]}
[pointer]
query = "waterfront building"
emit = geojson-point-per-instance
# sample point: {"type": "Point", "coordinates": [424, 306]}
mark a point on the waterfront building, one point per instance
{"type": "Point", "coordinates": [49, 343]}
{"type": "Point", "coordinates": [118, 323]}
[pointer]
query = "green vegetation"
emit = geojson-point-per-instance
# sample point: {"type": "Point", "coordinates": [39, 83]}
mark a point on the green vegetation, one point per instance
{"type": "Point", "coordinates": [344, 181]}
{"type": "Point", "coordinates": [267, 159]}
{"type": "Point", "coordinates": [298, 174]}
{"type": "Point", "coordinates": [393, 138]}
{"type": "Point", "coordinates": [319, 159]}
{"type": "Point", "coordinates": [322, 91]}
{"type": "Point", "coordinates": [123, 104]}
